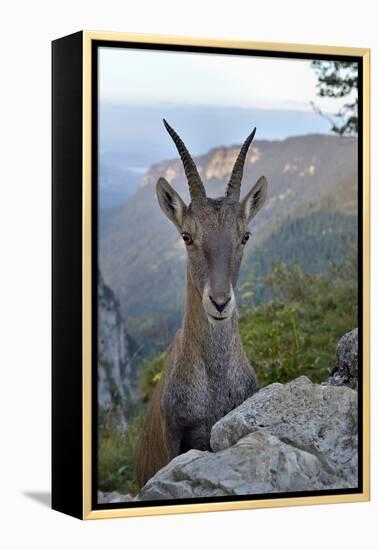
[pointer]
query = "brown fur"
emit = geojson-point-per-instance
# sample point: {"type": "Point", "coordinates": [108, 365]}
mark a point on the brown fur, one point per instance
{"type": "Point", "coordinates": [151, 453]}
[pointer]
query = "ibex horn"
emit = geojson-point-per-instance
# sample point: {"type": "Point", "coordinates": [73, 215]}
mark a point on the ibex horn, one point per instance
{"type": "Point", "coordinates": [196, 187]}
{"type": "Point", "coordinates": [234, 186]}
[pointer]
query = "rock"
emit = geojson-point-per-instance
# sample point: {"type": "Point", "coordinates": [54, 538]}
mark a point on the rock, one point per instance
{"type": "Point", "coordinates": [115, 376]}
{"type": "Point", "coordinates": [287, 437]}
{"type": "Point", "coordinates": [345, 373]}
{"type": "Point", "coordinates": [321, 420]}
{"type": "Point", "coordinates": [258, 463]}
{"type": "Point", "coordinates": [114, 496]}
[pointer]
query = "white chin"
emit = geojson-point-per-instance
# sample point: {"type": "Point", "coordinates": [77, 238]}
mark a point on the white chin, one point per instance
{"type": "Point", "coordinates": [218, 321]}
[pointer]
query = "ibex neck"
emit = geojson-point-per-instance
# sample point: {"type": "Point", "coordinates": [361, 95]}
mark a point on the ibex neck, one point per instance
{"type": "Point", "coordinates": [200, 333]}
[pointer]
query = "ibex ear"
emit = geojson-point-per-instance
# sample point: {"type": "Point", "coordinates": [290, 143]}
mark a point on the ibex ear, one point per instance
{"type": "Point", "coordinates": [255, 199]}
{"type": "Point", "coordinates": [171, 202]}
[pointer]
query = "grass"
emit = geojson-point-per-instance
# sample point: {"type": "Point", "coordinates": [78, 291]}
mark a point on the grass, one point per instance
{"type": "Point", "coordinates": [115, 454]}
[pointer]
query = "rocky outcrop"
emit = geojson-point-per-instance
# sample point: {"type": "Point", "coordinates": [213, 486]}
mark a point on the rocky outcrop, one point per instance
{"type": "Point", "coordinates": [287, 437]}
{"type": "Point", "coordinates": [300, 414]}
{"type": "Point", "coordinates": [115, 376]}
{"type": "Point", "coordinates": [258, 463]}
{"type": "Point", "coordinates": [345, 372]}
{"type": "Point", "coordinates": [113, 497]}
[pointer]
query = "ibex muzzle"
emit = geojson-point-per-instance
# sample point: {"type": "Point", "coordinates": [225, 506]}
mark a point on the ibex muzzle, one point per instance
{"type": "Point", "coordinates": [206, 373]}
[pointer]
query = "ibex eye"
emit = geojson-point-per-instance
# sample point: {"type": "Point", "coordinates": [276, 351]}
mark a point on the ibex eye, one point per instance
{"type": "Point", "coordinates": [187, 238]}
{"type": "Point", "coordinates": [245, 238]}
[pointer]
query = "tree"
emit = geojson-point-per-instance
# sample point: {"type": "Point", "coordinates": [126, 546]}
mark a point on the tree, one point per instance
{"type": "Point", "coordinates": [339, 79]}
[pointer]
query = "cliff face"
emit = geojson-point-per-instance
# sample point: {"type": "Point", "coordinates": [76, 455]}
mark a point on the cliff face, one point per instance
{"type": "Point", "coordinates": [115, 375]}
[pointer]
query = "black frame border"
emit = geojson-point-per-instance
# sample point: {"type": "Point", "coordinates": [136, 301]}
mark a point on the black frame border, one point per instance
{"type": "Point", "coordinates": [67, 256]}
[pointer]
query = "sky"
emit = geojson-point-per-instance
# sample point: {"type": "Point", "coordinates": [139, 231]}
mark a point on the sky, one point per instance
{"type": "Point", "coordinates": [211, 100]}
{"type": "Point", "coordinates": [128, 76]}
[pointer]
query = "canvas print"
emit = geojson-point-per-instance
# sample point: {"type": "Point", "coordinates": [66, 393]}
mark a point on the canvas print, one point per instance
{"type": "Point", "coordinates": [228, 288]}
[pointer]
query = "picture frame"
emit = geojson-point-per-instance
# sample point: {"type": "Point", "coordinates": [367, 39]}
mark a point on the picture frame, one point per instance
{"type": "Point", "coordinates": [75, 299]}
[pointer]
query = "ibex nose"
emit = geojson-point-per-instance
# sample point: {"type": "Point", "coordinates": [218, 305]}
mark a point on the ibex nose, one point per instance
{"type": "Point", "coordinates": [220, 301]}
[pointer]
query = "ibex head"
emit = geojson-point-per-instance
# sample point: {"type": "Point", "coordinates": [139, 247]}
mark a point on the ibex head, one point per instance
{"type": "Point", "coordinates": [215, 231]}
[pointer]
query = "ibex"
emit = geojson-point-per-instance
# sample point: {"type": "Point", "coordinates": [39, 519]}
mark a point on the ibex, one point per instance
{"type": "Point", "coordinates": [206, 372]}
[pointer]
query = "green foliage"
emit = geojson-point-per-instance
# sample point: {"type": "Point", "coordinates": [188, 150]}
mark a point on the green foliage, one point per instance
{"type": "Point", "coordinates": [115, 446]}
{"type": "Point", "coordinates": [296, 332]}
{"type": "Point", "coordinates": [115, 452]}
{"type": "Point", "coordinates": [149, 375]}
{"type": "Point", "coordinates": [339, 79]}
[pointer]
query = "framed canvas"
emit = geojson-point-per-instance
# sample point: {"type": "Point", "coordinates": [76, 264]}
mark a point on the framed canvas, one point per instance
{"type": "Point", "coordinates": [210, 275]}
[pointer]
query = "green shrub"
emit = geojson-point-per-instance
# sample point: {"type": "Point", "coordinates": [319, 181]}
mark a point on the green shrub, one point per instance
{"type": "Point", "coordinates": [296, 332]}
{"type": "Point", "coordinates": [115, 454]}
{"type": "Point", "coordinates": [115, 446]}
{"type": "Point", "coordinates": [149, 375]}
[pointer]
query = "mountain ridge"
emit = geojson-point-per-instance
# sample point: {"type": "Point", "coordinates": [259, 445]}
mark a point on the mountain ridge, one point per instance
{"type": "Point", "coordinates": [140, 250]}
